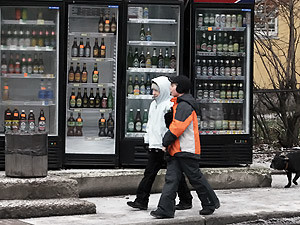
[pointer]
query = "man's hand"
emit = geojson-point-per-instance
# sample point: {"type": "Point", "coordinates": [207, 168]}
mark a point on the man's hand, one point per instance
{"type": "Point", "coordinates": [164, 149]}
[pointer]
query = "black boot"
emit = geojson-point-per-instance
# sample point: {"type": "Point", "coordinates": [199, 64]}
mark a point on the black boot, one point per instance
{"type": "Point", "coordinates": [183, 205]}
{"type": "Point", "coordinates": [137, 205]}
{"type": "Point", "coordinates": [206, 211]}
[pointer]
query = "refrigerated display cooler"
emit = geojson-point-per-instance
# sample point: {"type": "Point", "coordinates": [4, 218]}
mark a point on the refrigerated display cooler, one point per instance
{"type": "Point", "coordinates": [153, 39]}
{"type": "Point", "coordinates": [221, 68]}
{"type": "Point", "coordinates": [92, 83]}
{"type": "Point", "coordinates": [30, 61]}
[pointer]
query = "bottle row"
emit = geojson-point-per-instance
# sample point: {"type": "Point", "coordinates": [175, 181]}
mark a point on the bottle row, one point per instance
{"type": "Point", "coordinates": [107, 25]}
{"type": "Point", "coordinates": [16, 121]}
{"type": "Point", "coordinates": [221, 20]}
{"type": "Point", "coordinates": [82, 76]}
{"type": "Point", "coordinates": [28, 37]}
{"type": "Point", "coordinates": [218, 118]}
{"type": "Point", "coordinates": [145, 36]}
{"type": "Point", "coordinates": [139, 87]}
{"type": "Point", "coordinates": [221, 42]}
{"type": "Point", "coordinates": [224, 67]}
{"type": "Point", "coordinates": [91, 101]}
{"type": "Point", "coordinates": [141, 61]}
{"type": "Point", "coordinates": [74, 126]}
{"type": "Point", "coordinates": [17, 65]}
{"type": "Point", "coordinates": [22, 14]}
{"type": "Point", "coordinates": [81, 50]}
{"type": "Point", "coordinates": [218, 90]}
{"type": "Point", "coordinates": [137, 124]}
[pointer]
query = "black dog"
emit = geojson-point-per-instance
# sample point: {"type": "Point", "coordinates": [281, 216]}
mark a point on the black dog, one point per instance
{"type": "Point", "coordinates": [290, 163]}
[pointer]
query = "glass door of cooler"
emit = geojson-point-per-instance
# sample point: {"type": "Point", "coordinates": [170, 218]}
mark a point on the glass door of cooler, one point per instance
{"type": "Point", "coordinates": [222, 70]}
{"type": "Point", "coordinates": [29, 69]}
{"type": "Point", "coordinates": [92, 79]}
{"type": "Point", "coordinates": [153, 33]}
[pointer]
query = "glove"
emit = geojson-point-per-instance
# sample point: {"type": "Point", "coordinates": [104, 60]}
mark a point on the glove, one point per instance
{"type": "Point", "coordinates": [168, 118]}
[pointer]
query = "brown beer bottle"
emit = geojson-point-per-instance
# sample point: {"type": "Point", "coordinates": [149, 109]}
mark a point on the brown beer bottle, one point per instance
{"type": "Point", "coordinates": [96, 49]}
{"type": "Point", "coordinates": [84, 74]}
{"type": "Point", "coordinates": [42, 121]}
{"type": "Point", "coordinates": [97, 99]}
{"type": "Point", "coordinates": [110, 126]}
{"type": "Point", "coordinates": [72, 99]}
{"type": "Point", "coordinates": [85, 99]}
{"type": "Point", "coordinates": [104, 99]}
{"type": "Point", "coordinates": [71, 125]}
{"type": "Point", "coordinates": [113, 24]}
{"type": "Point", "coordinates": [78, 125]}
{"type": "Point", "coordinates": [77, 74]}
{"type": "Point", "coordinates": [102, 126]}
{"type": "Point", "coordinates": [15, 120]}
{"type": "Point", "coordinates": [71, 75]}
{"type": "Point", "coordinates": [102, 49]}
{"type": "Point", "coordinates": [107, 24]}
{"type": "Point", "coordinates": [92, 99]}
{"type": "Point", "coordinates": [101, 24]}
{"type": "Point", "coordinates": [79, 99]}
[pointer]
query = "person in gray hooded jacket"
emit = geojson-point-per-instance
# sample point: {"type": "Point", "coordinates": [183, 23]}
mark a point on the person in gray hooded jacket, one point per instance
{"type": "Point", "coordinates": [155, 131]}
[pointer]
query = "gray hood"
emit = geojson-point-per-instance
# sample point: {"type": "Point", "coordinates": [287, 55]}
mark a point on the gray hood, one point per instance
{"type": "Point", "coordinates": [164, 88]}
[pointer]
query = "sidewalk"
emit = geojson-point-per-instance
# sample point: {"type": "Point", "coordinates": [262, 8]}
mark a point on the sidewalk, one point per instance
{"type": "Point", "coordinates": [237, 205]}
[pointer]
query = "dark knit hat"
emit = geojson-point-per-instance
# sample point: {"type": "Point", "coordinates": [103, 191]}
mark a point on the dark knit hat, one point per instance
{"type": "Point", "coordinates": [183, 83]}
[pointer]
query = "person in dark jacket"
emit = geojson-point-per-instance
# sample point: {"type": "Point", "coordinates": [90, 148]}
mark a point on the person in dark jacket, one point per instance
{"type": "Point", "coordinates": [155, 130]}
{"type": "Point", "coordinates": [182, 143]}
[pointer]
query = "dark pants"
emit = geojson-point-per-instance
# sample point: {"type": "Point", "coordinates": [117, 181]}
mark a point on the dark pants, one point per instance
{"type": "Point", "coordinates": [190, 167]}
{"type": "Point", "coordinates": [155, 163]}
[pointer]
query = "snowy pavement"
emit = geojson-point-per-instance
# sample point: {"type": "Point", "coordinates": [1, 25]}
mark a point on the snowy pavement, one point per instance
{"type": "Point", "coordinates": [237, 205]}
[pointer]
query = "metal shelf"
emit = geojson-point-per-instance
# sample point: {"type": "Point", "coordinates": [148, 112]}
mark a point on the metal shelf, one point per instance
{"type": "Point", "coordinates": [207, 28]}
{"type": "Point", "coordinates": [150, 70]}
{"type": "Point", "coordinates": [91, 85]}
{"type": "Point", "coordinates": [152, 21]}
{"type": "Point", "coordinates": [132, 96]}
{"type": "Point", "coordinates": [152, 43]}
{"type": "Point", "coordinates": [216, 132]}
{"type": "Point", "coordinates": [239, 101]}
{"type": "Point", "coordinates": [28, 76]}
{"type": "Point", "coordinates": [29, 22]}
{"type": "Point", "coordinates": [90, 110]}
{"type": "Point", "coordinates": [220, 78]}
{"type": "Point", "coordinates": [26, 103]}
{"type": "Point", "coordinates": [90, 59]}
{"type": "Point", "coordinates": [92, 34]}
{"type": "Point", "coordinates": [20, 48]}
{"type": "Point", "coordinates": [229, 54]}
{"type": "Point", "coordinates": [134, 134]}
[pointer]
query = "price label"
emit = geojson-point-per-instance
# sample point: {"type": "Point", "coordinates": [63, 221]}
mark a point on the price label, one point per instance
{"type": "Point", "coordinates": [84, 34]}
{"type": "Point", "coordinates": [99, 60]}
{"type": "Point", "coordinates": [76, 85]}
{"type": "Point", "coordinates": [77, 110]}
{"type": "Point", "coordinates": [75, 59]}
{"type": "Point", "coordinates": [100, 85]}
{"type": "Point", "coordinates": [102, 110]}
{"type": "Point", "coordinates": [40, 22]}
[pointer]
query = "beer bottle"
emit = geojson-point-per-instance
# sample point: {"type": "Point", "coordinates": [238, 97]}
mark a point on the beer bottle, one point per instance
{"type": "Point", "coordinates": [130, 121]}
{"type": "Point", "coordinates": [27, 40]}
{"type": "Point", "coordinates": [205, 91]}
{"type": "Point", "coordinates": [71, 75]}
{"type": "Point", "coordinates": [17, 64]}
{"type": "Point", "coordinates": [29, 65]}
{"type": "Point", "coordinates": [79, 99]}
{"type": "Point", "coordinates": [216, 68]}
{"type": "Point", "coordinates": [23, 65]}
{"type": "Point", "coordinates": [138, 121]}
{"type": "Point", "coordinates": [36, 65]}
{"type": "Point", "coordinates": [3, 63]}
{"type": "Point", "coordinates": [31, 121]}
{"type": "Point", "coordinates": [230, 44]}
{"type": "Point", "coordinates": [199, 91]}
{"type": "Point", "coordinates": [203, 43]}
{"type": "Point", "coordinates": [91, 99]}
{"type": "Point", "coordinates": [234, 91]}
{"type": "Point", "coordinates": [84, 74]}
{"type": "Point", "coordinates": [198, 68]}
{"type": "Point", "coordinates": [129, 58]}
{"type": "Point", "coordinates": [130, 85]}
{"type": "Point", "coordinates": [41, 38]}
{"type": "Point", "coordinates": [161, 61]}
{"type": "Point", "coordinates": [233, 68]}
{"type": "Point", "coordinates": [71, 125]}
{"type": "Point", "coordinates": [107, 23]}
{"type": "Point", "coordinates": [239, 70]}
{"type": "Point", "coordinates": [41, 64]}
{"type": "Point", "coordinates": [97, 99]}
{"type": "Point", "coordinates": [23, 121]}
{"type": "Point", "coordinates": [104, 99]}
{"type": "Point", "coordinates": [95, 77]}
{"type": "Point", "coordinates": [113, 24]}
{"type": "Point", "coordinates": [229, 91]}
{"type": "Point", "coordinates": [225, 42]}
{"type": "Point", "coordinates": [77, 76]}
{"type": "Point", "coordinates": [206, 19]}
{"type": "Point", "coordinates": [148, 34]}
{"type": "Point", "coordinates": [11, 66]}
{"type": "Point", "coordinates": [167, 58]}
{"type": "Point", "coordinates": [7, 120]}
{"type": "Point", "coordinates": [81, 48]}
{"type": "Point", "coordinates": [220, 42]}
{"type": "Point", "coordinates": [242, 44]}
{"type": "Point", "coordinates": [87, 48]}
{"type": "Point", "coordinates": [110, 126]}
{"type": "Point", "coordinates": [148, 60]}
{"type": "Point", "coordinates": [136, 86]}
{"type": "Point", "coordinates": [217, 91]}
{"type": "Point", "coordinates": [232, 120]}
{"type": "Point", "coordinates": [210, 68]}
{"type": "Point", "coordinates": [102, 126]}
{"type": "Point", "coordinates": [142, 60]}
{"type": "Point", "coordinates": [34, 40]}
{"type": "Point", "coordinates": [173, 60]}
{"type": "Point", "coordinates": [235, 45]}
{"type": "Point", "coordinates": [212, 20]}
{"type": "Point", "coordinates": [102, 49]}
{"type": "Point", "coordinates": [223, 91]}
{"type": "Point", "coordinates": [85, 99]}
{"type": "Point", "coordinates": [142, 33]}
{"type": "Point", "coordinates": [5, 95]}
{"type": "Point", "coordinates": [53, 39]}
{"type": "Point", "coordinates": [15, 120]}
{"type": "Point", "coordinates": [101, 24]}
{"type": "Point", "coordinates": [96, 49]}
{"type": "Point", "coordinates": [110, 99]}
{"type": "Point", "coordinates": [74, 52]}
{"type": "Point", "coordinates": [218, 119]}
{"type": "Point", "coordinates": [209, 43]}
{"type": "Point", "coordinates": [145, 120]}
{"type": "Point", "coordinates": [47, 38]}
{"type": "Point", "coordinates": [214, 43]}
{"type": "Point", "coordinates": [148, 85]}
{"type": "Point", "coordinates": [42, 121]}
{"type": "Point", "coordinates": [78, 125]}
{"type": "Point", "coordinates": [198, 43]}
{"type": "Point", "coordinates": [241, 91]}
{"type": "Point", "coordinates": [211, 92]}
{"type": "Point", "coordinates": [239, 119]}
{"type": "Point", "coordinates": [136, 61]}
{"type": "Point", "coordinates": [222, 68]}
{"type": "Point", "coordinates": [227, 68]}
{"type": "Point", "coordinates": [211, 121]}
{"type": "Point", "coordinates": [204, 68]}
{"type": "Point", "coordinates": [225, 119]}
{"type": "Point", "coordinates": [142, 86]}
{"type": "Point", "coordinates": [154, 59]}
{"type": "Point", "coordinates": [72, 99]}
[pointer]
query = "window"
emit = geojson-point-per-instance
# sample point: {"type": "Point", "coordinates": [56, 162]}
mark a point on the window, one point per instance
{"type": "Point", "coordinates": [266, 18]}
